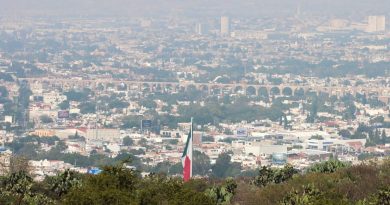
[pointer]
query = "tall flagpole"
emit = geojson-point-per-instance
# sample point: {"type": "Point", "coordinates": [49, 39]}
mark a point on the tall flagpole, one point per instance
{"type": "Point", "coordinates": [186, 158]}
{"type": "Point", "coordinates": [192, 140]}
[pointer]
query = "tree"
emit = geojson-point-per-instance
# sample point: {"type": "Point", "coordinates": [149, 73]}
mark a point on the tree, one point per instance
{"type": "Point", "coordinates": [131, 121]}
{"type": "Point", "coordinates": [143, 142]}
{"type": "Point", "coordinates": [284, 174]}
{"type": "Point", "coordinates": [173, 141]}
{"type": "Point", "coordinates": [158, 189]}
{"type": "Point", "coordinates": [313, 110]}
{"type": "Point", "coordinates": [24, 95]}
{"type": "Point", "coordinates": [3, 92]}
{"type": "Point", "coordinates": [221, 164]}
{"type": "Point", "coordinates": [127, 141]}
{"type": "Point", "coordinates": [308, 196]}
{"type": "Point", "coordinates": [350, 111]}
{"type": "Point", "coordinates": [176, 169]}
{"type": "Point", "coordinates": [6, 77]}
{"type": "Point", "coordinates": [17, 187]}
{"type": "Point", "coordinates": [207, 139]}
{"type": "Point", "coordinates": [228, 140]}
{"type": "Point", "coordinates": [49, 140]}
{"type": "Point", "coordinates": [384, 137]}
{"type": "Point", "coordinates": [162, 167]}
{"type": "Point", "coordinates": [23, 102]}
{"type": "Point", "coordinates": [316, 137]}
{"type": "Point", "coordinates": [201, 163]}
{"type": "Point", "coordinates": [45, 119]}
{"type": "Point", "coordinates": [345, 133]}
{"type": "Point", "coordinates": [281, 121]}
{"type": "Point", "coordinates": [63, 182]}
{"type": "Point", "coordinates": [64, 105]}
{"type": "Point", "coordinates": [148, 103]}
{"type": "Point", "coordinates": [223, 167]}
{"type": "Point", "coordinates": [19, 164]}
{"type": "Point", "coordinates": [122, 186]}
{"type": "Point", "coordinates": [379, 119]}
{"type": "Point", "coordinates": [79, 96]}
{"type": "Point", "coordinates": [364, 99]}
{"type": "Point", "coordinates": [118, 104]}
{"type": "Point", "coordinates": [224, 193]}
{"type": "Point", "coordinates": [274, 81]}
{"type": "Point", "coordinates": [61, 146]}
{"type": "Point", "coordinates": [267, 175]}
{"type": "Point", "coordinates": [382, 197]}
{"type": "Point", "coordinates": [87, 107]}
{"type": "Point", "coordinates": [128, 158]}
{"type": "Point", "coordinates": [329, 166]}
{"type": "Point", "coordinates": [137, 152]}
{"type": "Point", "coordinates": [166, 108]}
{"type": "Point", "coordinates": [114, 185]}
{"type": "Point", "coordinates": [29, 150]}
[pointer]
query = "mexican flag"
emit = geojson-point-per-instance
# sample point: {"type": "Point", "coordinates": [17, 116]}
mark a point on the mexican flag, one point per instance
{"type": "Point", "coordinates": [186, 158]}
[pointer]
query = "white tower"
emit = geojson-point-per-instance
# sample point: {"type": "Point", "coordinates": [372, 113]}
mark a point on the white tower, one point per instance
{"type": "Point", "coordinates": [199, 29]}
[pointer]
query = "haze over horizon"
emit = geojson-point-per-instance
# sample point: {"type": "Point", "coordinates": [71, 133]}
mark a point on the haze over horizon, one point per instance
{"type": "Point", "coordinates": [146, 8]}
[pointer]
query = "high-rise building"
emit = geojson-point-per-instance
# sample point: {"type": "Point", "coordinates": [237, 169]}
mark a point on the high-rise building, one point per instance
{"type": "Point", "coordinates": [376, 24]}
{"type": "Point", "coordinates": [381, 23]}
{"type": "Point", "coordinates": [371, 26]}
{"type": "Point", "coordinates": [225, 26]}
{"type": "Point", "coordinates": [199, 29]}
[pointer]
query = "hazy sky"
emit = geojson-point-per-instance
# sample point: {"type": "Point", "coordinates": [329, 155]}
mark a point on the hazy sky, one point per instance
{"type": "Point", "coordinates": [191, 7]}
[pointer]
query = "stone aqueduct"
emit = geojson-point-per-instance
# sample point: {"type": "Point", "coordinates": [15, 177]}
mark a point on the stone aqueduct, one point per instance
{"type": "Point", "coordinates": [250, 89]}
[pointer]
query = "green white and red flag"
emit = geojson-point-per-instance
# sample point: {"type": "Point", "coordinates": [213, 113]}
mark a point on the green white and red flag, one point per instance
{"type": "Point", "coordinates": [186, 158]}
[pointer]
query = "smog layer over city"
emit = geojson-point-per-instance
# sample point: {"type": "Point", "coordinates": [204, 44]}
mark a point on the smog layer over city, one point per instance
{"type": "Point", "coordinates": [194, 102]}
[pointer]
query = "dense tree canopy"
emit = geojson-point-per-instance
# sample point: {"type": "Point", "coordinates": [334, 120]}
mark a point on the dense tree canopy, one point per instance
{"type": "Point", "coordinates": [79, 96]}
{"type": "Point", "coordinates": [366, 184]}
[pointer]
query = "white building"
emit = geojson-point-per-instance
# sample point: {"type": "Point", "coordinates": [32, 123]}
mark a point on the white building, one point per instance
{"type": "Point", "coordinates": [260, 148]}
{"type": "Point", "coordinates": [8, 119]}
{"type": "Point", "coordinates": [48, 167]}
{"type": "Point", "coordinates": [376, 24]}
{"type": "Point", "coordinates": [254, 35]}
{"type": "Point", "coordinates": [53, 98]}
{"type": "Point", "coordinates": [110, 135]}
{"type": "Point", "coordinates": [199, 29]}
{"type": "Point", "coordinates": [225, 26]}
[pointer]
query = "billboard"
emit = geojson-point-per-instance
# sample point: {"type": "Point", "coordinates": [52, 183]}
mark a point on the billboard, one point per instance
{"type": "Point", "coordinates": [62, 114]}
{"type": "Point", "coordinates": [242, 132]}
{"type": "Point", "coordinates": [146, 124]}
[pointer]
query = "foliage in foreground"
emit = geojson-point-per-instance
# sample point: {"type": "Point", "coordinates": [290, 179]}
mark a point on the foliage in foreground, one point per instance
{"type": "Point", "coordinates": [330, 182]}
